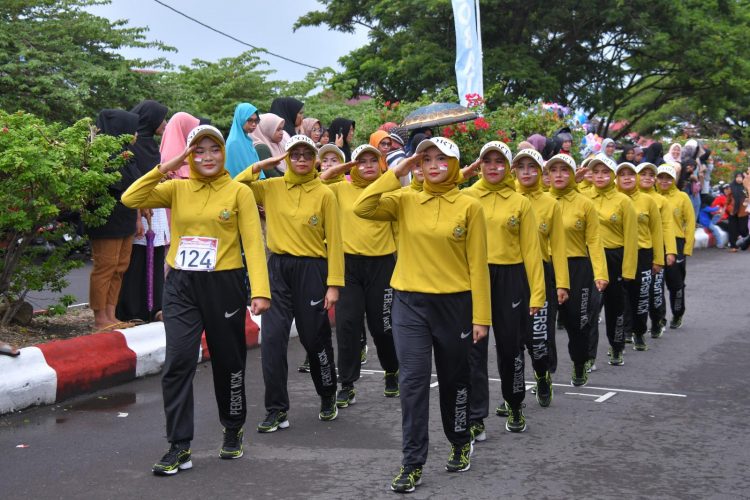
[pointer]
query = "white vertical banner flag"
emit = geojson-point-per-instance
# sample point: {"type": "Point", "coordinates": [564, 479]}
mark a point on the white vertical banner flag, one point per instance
{"type": "Point", "coordinates": [468, 49]}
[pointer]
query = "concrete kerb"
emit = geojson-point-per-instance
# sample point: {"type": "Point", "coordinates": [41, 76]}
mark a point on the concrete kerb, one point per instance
{"type": "Point", "coordinates": [52, 372]}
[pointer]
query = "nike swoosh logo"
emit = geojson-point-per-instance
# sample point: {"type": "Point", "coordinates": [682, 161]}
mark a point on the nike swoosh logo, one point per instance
{"type": "Point", "coordinates": [680, 261]}
{"type": "Point", "coordinates": [315, 302]}
{"type": "Point", "coordinates": [229, 315]}
{"type": "Point", "coordinates": [464, 335]}
{"type": "Point", "coordinates": [516, 304]}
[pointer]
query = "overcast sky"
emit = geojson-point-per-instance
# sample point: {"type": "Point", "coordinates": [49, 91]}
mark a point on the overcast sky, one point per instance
{"type": "Point", "coordinates": [263, 23]}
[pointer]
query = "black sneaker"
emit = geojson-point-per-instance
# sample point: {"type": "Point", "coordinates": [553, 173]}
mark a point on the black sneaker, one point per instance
{"type": "Point", "coordinates": [363, 355]}
{"type": "Point", "coordinates": [477, 431]}
{"type": "Point", "coordinates": [407, 479]}
{"type": "Point", "coordinates": [639, 343]}
{"type": "Point", "coordinates": [305, 366]}
{"type": "Point", "coordinates": [580, 375]}
{"type": "Point", "coordinates": [345, 396]}
{"type": "Point", "coordinates": [615, 357]}
{"type": "Point", "coordinates": [176, 459]}
{"type": "Point", "coordinates": [675, 323]}
{"type": "Point", "coordinates": [232, 447]}
{"type": "Point", "coordinates": [275, 419]}
{"type": "Point", "coordinates": [328, 408]}
{"type": "Point", "coordinates": [502, 409]}
{"type": "Point", "coordinates": [657, 331]}
{"type": "Point", "coordinates": [458, 460]}
{"type": "Point", "coordinates": [516, 422]}
{"type": "Point", "coordinates": [544, 390]}
{"type": "Point", "coordinates": [391, 385]}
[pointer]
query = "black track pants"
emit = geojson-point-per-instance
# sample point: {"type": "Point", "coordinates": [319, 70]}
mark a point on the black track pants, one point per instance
{"type": "Point", "coordinates": [422, 323]}
{"type": "Point", "coordinates": [657, 306]}
{"type": "Point", "coordinates": [217, 302]}
{"type": "Point", "coordinates": [674, 276]}
{"type": "Point", "coordinates": [579, 311]}
{"type": "Point", "coordinates": [298, 288]}
{"type": "Point", "coordinates": [367, 294]}
{"type": "Point", "coordinates": [638, 292]}
{"type": "Point", "coordinates": [613, 301]}
{"type": "Point", "coordinates": [540, 334]}
{"type": "Point", "coordinates": [510, 322]}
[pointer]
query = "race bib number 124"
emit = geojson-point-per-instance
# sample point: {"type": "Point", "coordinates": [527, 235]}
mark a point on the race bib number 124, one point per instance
{"type": "Point", "coordinates": [196, 253]}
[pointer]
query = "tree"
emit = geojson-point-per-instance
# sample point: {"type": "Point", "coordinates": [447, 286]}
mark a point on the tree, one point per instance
{"type": "Point", "coordinates": [599, 56]}
{"type": "Point", "coordinates": [46, 171]}
{"type": "Point", "coordinates": [213, 89]}
{"type": "Point", "coordinates": [60, 62]}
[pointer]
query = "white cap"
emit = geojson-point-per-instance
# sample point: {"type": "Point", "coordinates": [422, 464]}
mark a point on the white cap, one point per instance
{"type": "Point", "coordinates": [366, 148]}
{"type": "Point", "coordinates": [562, 158]}
{"type": "Point", "coordinates": [667, 169]}
{"type": "Point", "coordinates": [604, 160]}
{"type": "Point", "coordinates": [446, 146]}
{"type": "Point", "coordinates": [530, 153]}
{"type": "Point", "coordinates": [626, 164]}
{"type": "Point", "coordinates": [303, 140]}
{"type": "Point", "coordinates": [204, 131]}
{"type": "Point", "coordinates": [331, 148]}
{"type": "Point", "coordinates": [498, 146]}
{"type": "Point", "coordinates": [645, 165]}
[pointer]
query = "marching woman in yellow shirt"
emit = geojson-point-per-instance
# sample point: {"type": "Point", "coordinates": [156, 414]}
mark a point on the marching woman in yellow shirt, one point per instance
{"type": "Point", "coordinates": [618, 230]}
{"type": "Point", "coordinates": [650, 254]}
{"type": "Point", "coordinates": [306, 269]}
{"type": "Point", "coordinates": [657, 306]}
{"type": "Point", "coordinates": [516, 285]}
{"type": "Point", "coordinates": [587, 265]}
{"type": "Point", "coordinates": [369, 259]}
{"type": "Point", "coordinates": [540, 341]}
{"type": "Point", "coordinates": [212, 219]}
{"type": "Point", "coordinates": [683, 217]}
{"type": "Point", "coordinates": [441, 297]}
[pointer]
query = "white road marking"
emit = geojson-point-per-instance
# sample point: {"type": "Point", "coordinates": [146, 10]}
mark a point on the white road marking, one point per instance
{"type": "Point", "coordinates": [605, 397]}
{"type": "Point", "coordinates": [581, 394]}
{"type": "Point", "coordinates": [608, 389]}
{"type": "Point", "coordinates": [434, 384]}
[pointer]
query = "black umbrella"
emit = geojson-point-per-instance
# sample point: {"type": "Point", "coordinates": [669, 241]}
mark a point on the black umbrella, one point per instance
{"type": "Point", "coordinates": [437, 114]}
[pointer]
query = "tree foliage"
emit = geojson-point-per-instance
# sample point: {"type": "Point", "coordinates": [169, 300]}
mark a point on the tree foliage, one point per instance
{"type": "Point", "coordinates": [46, 172]}
{"type": "Point", "coordinates": [618, 60]}
{"type": "Point", "coordinates": [59, 61]}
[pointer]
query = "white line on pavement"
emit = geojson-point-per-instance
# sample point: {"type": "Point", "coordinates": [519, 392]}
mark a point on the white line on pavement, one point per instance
{"type": "Point", "coordinates": [609, 389]}
{"type": "Point", "coordinates": [605, 397]}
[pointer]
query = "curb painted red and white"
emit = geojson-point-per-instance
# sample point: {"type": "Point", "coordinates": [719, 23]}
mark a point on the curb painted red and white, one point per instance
{"type": "Point", "coordinates": [52, 372]}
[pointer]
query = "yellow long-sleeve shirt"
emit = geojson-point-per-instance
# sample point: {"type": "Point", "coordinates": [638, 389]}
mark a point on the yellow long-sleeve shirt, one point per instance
{"type": "Point", "coordinates": [442, 246]}
{"type": "Point", "coordinates": [361, 236]}
{"type": "Point", "coordinates": [512, 235]}
{"type": "Point", "coordinates": [650, 233]}
{"type": "Point", "coordinates": [683, 216]}
{"type": "Point", "coordinates": [618, 226]}
{"type": "Point", "coordinates": [222, 209]}
{"type": "Point", "coordinates": [667, 220]}
{"type": "Point", "coordinates": [551, 234]}
{"type": "Point", "coordinates": [581, 223]}
{"type": "Point", "coordinates": [301, 220]}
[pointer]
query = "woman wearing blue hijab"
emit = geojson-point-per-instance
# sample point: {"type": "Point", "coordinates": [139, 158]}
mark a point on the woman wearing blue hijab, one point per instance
{"type": "Point", "coordinates": [240, 149]}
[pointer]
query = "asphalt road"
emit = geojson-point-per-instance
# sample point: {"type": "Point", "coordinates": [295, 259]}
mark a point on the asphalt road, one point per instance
{"type": "Point", "coordinates": [671, 423]}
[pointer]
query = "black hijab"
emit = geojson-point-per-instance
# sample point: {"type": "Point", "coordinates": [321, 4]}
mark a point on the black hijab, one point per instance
{"type": "Point", "coordinates": [341, 126]}
{"type": "Point", "coordinates": [151, 114]}
{"type": "Point", "coordinates": [121, 222]}
{"type": "Point", "coordinates": [654, 154]}
{"type": "Point", "coordinates": [738, 193]}
{"type": "Point", "coordinates": [287, 108]}
{"type": "Point", "coordinates": [625, 151]}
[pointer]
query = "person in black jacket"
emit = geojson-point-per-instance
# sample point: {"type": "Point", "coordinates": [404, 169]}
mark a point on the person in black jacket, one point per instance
{"type": "Point", "coordinates": [111, 242]}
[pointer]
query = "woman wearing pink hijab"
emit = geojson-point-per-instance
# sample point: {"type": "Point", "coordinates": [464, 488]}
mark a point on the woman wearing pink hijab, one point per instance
{"type": "Point", "coordinates": [269, 134]}
{"type": "Point", "coordinates": [173, 140]}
